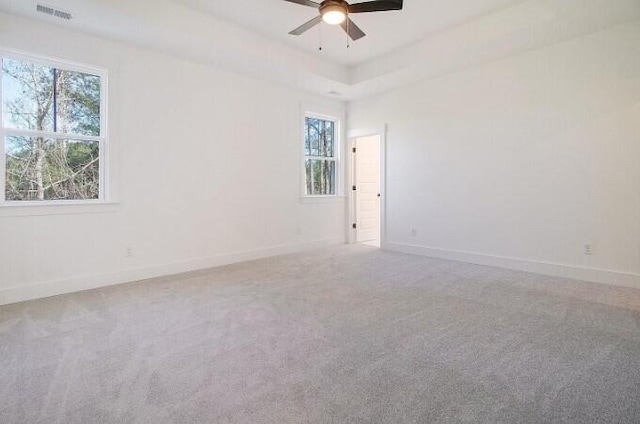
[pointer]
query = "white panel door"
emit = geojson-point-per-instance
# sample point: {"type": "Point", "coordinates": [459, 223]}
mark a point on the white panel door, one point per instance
{"type": "Point", "coordinates": [367, 182]}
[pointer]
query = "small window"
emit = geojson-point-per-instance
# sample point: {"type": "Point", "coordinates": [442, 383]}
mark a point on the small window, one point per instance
{"type": "Point", "coordinates": [53, 135]}
{"type": "Point", "coordinates": [320, 155]}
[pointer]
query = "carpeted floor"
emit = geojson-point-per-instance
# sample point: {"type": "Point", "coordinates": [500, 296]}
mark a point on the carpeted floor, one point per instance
{"type": "Point", "coordinates": [342, 335]}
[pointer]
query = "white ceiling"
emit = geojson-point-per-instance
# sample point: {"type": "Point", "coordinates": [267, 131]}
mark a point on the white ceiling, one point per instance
{"type": "Point", "coordinates": [428, 39]}
{"type": "Point", "coordinates": [385, 31]}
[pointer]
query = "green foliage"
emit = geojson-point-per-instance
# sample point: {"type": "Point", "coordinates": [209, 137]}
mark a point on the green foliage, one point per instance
{"type": "Point", "coordinates": [79, 154]}
{"type": "Point", "coordinates": [80, 101]}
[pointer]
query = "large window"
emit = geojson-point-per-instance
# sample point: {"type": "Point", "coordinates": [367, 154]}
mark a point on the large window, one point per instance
{"type": "Point", "coordinates": [320, 155]}
{"type": "Point", "coordinates": [53, 131]}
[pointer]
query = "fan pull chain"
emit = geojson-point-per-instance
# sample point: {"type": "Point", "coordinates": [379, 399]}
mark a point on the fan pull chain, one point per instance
{"type": "Point", "coordinates": [348, 44]}
{"type": "Point", "coordinates": [320, 37]}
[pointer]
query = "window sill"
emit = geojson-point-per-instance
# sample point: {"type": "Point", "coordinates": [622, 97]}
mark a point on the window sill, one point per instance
{"type": "Point", "coordinates": [322, 199]}
{"type": "Point", "coordinates": [60, 208]}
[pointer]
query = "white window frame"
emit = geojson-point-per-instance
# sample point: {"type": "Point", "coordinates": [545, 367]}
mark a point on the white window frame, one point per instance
{"type": "Point", "coordinates": [337, 148]}
{"type": "Point", "coordinates": [102, 139]}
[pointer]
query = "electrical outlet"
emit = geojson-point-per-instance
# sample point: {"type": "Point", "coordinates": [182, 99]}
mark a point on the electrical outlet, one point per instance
{"type": "Point", "coordinates": [588, 249]}
{"type": "Point", "coordinates": [414, 232]}
{"type": "Point", "coordinates": [129, 252]}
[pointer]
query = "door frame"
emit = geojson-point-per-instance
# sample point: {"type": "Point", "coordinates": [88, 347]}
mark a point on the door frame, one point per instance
{"type": "Point", "coordinates": [352, 215]}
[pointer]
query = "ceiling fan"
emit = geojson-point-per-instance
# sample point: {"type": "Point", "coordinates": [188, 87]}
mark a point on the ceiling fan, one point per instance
{"type": "Point", "coordinates": [336, 12]}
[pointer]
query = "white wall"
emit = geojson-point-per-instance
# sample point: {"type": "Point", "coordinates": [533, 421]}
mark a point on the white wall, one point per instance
{"type": "Point", "coordinates": [206, 169]}
{"type": "Point", "coordinates": [521, 162]}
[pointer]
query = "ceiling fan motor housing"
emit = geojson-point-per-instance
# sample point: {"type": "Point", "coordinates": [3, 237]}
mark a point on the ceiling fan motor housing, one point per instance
{"type": "Point", "coordinates": [334, 5]}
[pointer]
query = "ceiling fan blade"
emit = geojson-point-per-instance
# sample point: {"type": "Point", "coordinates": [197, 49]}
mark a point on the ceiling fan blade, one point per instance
{"type": "Point", "coordinates": [307, 26]}
{"type": "Point", "coordinates": [376, 6]}
{"type": "Point", "coordinates": [305, 3]}
{"type": "Point", "coordinates": [352, 29]}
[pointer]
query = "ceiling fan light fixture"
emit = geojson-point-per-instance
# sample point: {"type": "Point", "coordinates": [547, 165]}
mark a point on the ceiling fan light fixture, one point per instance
{"type": "Point", "coordinates": [334, 14]}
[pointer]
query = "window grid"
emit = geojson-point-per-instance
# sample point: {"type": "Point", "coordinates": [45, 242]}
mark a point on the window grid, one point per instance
{"type": "Point", "coordinates": [321, 149]}
{"type": "Point", "coordinates": [62, 137]}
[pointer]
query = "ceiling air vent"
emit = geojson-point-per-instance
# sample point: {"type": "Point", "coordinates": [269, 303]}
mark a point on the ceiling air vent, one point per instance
{"type": "Point", "coordinates": [52, 11]}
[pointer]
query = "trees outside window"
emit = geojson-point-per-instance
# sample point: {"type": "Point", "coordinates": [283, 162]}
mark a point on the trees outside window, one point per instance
{"type": "Point", "coordinates": [320, 155]}
{"type": "Point", "coordinates": [52, 130]}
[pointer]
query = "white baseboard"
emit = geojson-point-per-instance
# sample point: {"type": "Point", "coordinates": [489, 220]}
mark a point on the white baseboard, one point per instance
{"type": "Point", "coordinates": [75, 284]}
{"type": "Point", "coordinates": [616, 278]}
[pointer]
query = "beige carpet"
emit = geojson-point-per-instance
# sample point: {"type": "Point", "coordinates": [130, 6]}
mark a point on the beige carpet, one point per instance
{"type": "Point", "coordinates": [343, 335]}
